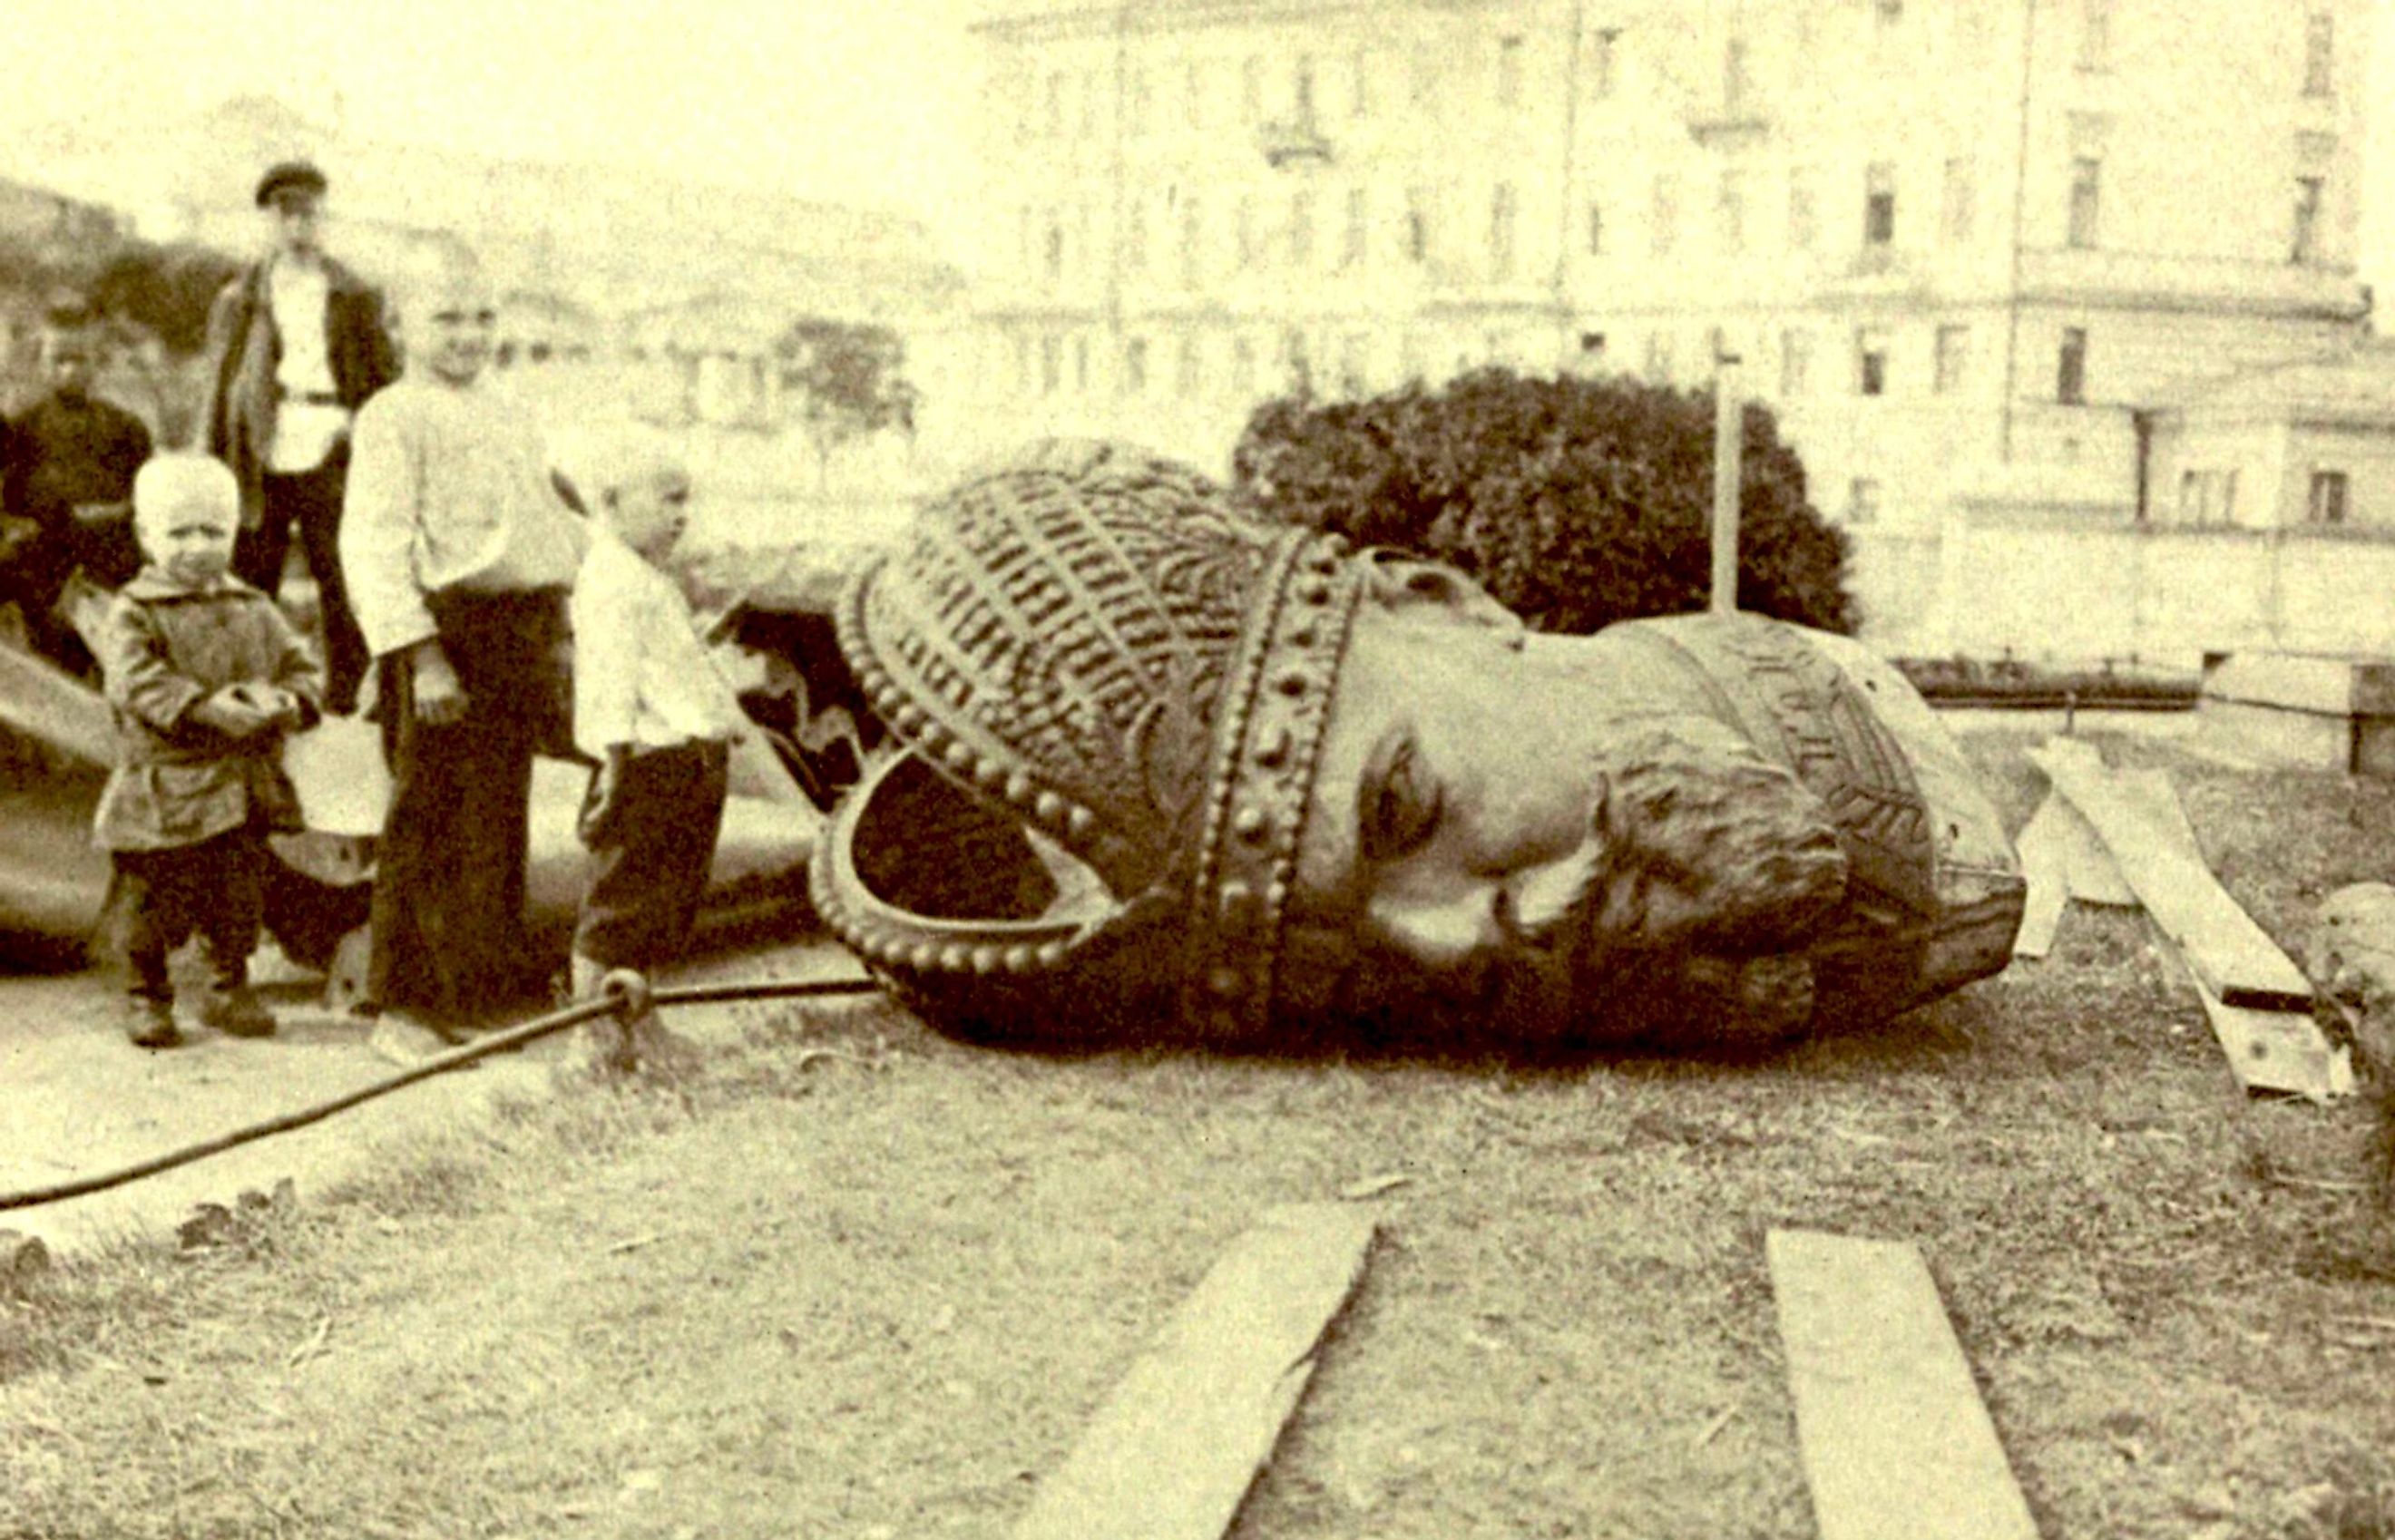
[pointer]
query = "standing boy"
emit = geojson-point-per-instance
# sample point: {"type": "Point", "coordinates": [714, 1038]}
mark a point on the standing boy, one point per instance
{"type": "Point", "coordinates": [205, 676]}
{"type": "Point", "coordinates": [295, 345]}
{"type": "Point", "coordinates": [650, 707]}
{"type": "Point", "coordinates": [67, 465]}
{"type": "Point", "coordinates": [458, 557]}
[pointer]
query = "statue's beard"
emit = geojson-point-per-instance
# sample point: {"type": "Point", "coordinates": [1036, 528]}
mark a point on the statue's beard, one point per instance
{"type": "Point", "coordinates": [1707, 873]}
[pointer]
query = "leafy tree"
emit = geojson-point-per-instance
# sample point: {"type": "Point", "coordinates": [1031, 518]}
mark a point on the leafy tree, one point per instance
{"type": "Point", "coordinates": [164, 290]}
{"type": "Point", "coordinates": [1576, 502]}
{"type": "Point", "coordinates": [850, 382]}
{"type": "Point", "coordinates": [37, 267]}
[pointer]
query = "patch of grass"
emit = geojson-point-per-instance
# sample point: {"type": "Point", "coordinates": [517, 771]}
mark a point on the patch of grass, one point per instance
{"type": "Point", "coordinates": [850, 1278]}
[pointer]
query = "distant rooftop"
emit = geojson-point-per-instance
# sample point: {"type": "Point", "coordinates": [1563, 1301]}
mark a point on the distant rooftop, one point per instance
{"type": "Point", "coordinates": [2356, 384]}
{"type": "Point", "coordinates": [615, 236]}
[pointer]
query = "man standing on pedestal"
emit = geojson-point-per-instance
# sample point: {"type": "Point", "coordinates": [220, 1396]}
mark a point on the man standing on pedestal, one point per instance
{"type": "Point", "coordinates": [295, 345]}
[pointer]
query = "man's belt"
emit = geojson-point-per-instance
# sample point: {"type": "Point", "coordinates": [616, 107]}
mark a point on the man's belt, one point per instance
{"type": "Point", "coordinates": [309, 398]}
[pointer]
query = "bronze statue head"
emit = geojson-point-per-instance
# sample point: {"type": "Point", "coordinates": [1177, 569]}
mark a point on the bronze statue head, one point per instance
{"type": "Point", "coordinates": [1172, 774]}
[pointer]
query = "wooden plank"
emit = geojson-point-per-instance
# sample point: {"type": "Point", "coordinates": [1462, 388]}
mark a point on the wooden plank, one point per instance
{"type": "Point", "coordinates": [2063, 861]}
{"type": "Point", "coordinates": [2151, 792]}
{"type": "Point", "coordinates": [2236, 960]}
{"type": "Point", "coordinates": [1897, 1444]}
{"type": "Point", "coordinates": [2268, 1049]}
{"type": "Point", "coordinates": [1172, 1452]}
{"type": "Point", "coordinates": [2278, 1051]}
{"type": "Point", "coordinates": [2045, 862]}
{"type": "Point", "coordinates": [2095, 877]}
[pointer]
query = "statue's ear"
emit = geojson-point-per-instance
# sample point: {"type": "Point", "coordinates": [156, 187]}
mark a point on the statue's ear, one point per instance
{"type": "Point", "coordinates": [1408, 585]}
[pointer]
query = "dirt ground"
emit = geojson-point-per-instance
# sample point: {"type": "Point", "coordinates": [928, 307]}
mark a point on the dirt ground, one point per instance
{"type": "Point", "coordinates": [847, 1278]}
{"type": "Point", "coordinates": [82, 1100]}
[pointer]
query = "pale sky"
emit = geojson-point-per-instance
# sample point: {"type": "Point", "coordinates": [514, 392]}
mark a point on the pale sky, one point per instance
{"type": "Point", "coordinates": [864, 101]}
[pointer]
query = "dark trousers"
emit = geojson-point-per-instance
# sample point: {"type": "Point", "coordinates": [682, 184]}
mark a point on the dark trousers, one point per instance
{"type": "Point", "coordinates": [449, 875]}
{"type": "Point", "coordinates": [650, 849]}
{"type": "Point", "coordinates": [37, 592]}
{"type": "Point", "coordinates": [215, 888]}
{"type": "Point", "coordinates": [310, 502]}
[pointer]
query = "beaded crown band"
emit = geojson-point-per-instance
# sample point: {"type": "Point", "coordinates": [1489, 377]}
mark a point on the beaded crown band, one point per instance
{"type": "Point", "coordinates": [1089, 646]}
{"type": "Point", "coordinates": [1268, 744]}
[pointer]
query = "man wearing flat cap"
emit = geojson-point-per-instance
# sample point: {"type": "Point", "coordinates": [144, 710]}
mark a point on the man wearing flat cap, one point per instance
{"type": "Point", "coordinates": [295, 345]}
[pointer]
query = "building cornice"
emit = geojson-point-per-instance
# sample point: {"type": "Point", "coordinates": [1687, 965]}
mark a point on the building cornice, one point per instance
{"type": "Point", "coordinates": [1929, 304]}
{"type": "Point", "coordinates": [2196, 303]}
{"type": "Point", "coordinates": [1149, 17]}
{"type": "Point", "coordinates": [1054, 21]}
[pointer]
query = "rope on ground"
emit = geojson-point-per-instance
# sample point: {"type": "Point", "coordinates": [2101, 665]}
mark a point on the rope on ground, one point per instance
{"type": "Point", "coordinates": [616, 1002]}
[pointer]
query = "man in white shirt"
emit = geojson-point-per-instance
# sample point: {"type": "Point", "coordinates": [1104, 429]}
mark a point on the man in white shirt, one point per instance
{"type": "Point", "coordinates": [295, 345]}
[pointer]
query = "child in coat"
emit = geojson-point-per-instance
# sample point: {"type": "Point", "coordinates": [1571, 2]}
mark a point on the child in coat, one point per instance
{"type": "Point", "coordinates": [205, 676]}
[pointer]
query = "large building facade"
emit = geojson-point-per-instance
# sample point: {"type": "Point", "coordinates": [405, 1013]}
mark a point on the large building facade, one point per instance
{"type": "Point", "coordinates": [1966, 248]}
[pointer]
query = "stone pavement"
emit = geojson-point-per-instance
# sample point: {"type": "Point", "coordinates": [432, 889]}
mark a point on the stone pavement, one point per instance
{"type": "Point", "coordinates": [80, 1099]}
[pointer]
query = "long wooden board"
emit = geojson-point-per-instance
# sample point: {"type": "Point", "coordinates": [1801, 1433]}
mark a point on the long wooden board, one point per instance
{"type": "Point", "coordinates": [2278, 1051]}
{"type": "Point", "coordinates": [2151, 792]}
{"type": "Point", "coordinates": [2236, 960]}
{"type": "Point", "coordinates": [2045, 862]}
{"type": "Point", "coordinates": [2095, 876]}
{"type": "Point", "coordinates": [1897, 1444]}
{"type": "Point", "coordinates": [2065, 861]}
{"type": "Point", "coordinates": [1172, 1452]}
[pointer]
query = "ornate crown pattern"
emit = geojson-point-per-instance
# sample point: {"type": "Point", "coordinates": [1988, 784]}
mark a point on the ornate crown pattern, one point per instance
{"type": "Point", "coordinates": [1090, 640]}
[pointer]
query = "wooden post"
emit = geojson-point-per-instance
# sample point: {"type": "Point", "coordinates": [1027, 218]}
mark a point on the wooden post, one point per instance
{"type": "Point", "coordinates": [1729, 423]}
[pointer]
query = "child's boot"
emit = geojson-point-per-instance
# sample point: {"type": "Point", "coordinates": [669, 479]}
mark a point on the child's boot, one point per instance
{"type": "Point", "coordinates": [234, 1011]}
{"type": "Point", "coordinates": [150, 1022]}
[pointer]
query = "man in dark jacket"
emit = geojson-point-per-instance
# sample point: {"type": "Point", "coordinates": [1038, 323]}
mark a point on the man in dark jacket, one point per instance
{"type": "Point", "coordinates": [295, 345]}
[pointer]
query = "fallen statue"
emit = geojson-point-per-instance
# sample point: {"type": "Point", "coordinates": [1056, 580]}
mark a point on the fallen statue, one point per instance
{"type": "Point", "coordinates": [1173, 776]}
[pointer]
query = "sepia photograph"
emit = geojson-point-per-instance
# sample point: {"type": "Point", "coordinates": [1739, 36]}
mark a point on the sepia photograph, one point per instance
{"type": "Point", "coordinates": [1197, 769]}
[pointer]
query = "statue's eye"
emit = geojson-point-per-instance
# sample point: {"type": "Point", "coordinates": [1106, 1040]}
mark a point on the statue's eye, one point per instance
{"type": "Point", "coordinates": [1400, 803]}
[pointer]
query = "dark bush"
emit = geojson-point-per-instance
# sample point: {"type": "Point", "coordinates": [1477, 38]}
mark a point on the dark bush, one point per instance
{"type": "Point", "coordinates": [40, 267]}
{"type": "Point", "coordinates": [1576, 502]}
{"type": "Point", "coordinates": [164, 290]}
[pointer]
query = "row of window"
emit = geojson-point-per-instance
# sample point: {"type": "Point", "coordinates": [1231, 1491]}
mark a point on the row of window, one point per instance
{"type": "Point", "coordinates": [1245, 363]}
{"type": "Point", "coordinates": [1957, 214]}
{"type": "Point", "coordinates": [2097, 29]}
{"type": "Point", "coordinates": [1197, 94]}
{"type": "Point", "coordinates": [1872, 360]}
{"type": "Point", "coordinates": [1167, 235]}
{"type": "Point", "coordinates": [2095, 48]}
{"type": "Point", "coordinates": [1055, 242]}
{"type": "Point", "coordinates": [1057, 362]}
{"type": "Point", "coordinates": [2209, 496]}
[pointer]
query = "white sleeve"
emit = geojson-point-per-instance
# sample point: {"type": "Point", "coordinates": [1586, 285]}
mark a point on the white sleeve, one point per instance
{"type": "Point", "coordinates": [381, 510]}
{"type": "Point", "coordinates": [609, 625]}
